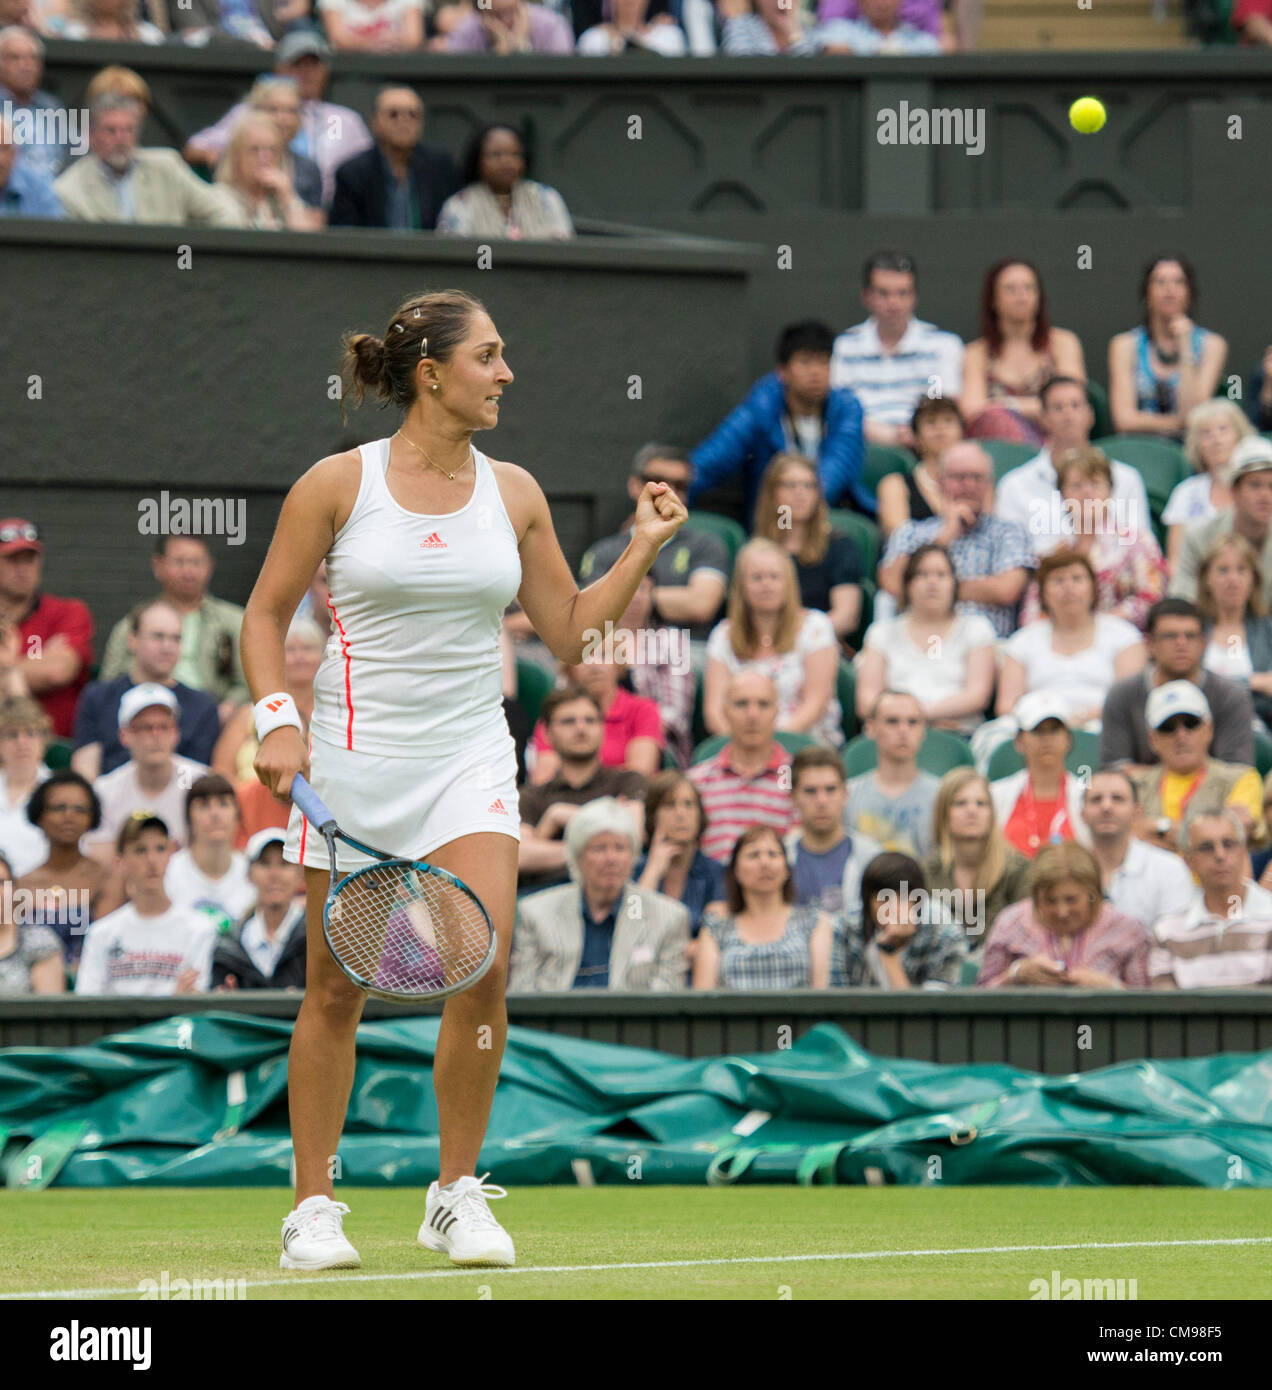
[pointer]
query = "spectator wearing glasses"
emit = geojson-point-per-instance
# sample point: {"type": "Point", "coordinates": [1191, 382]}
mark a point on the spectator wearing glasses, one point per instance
{"type": "Point", "coordinates": [30, 955]}
{"type": "Point", "coordinates": [154, 777]}
{"type": "Point", "coordinates": [1176, 641]}
{"type": "Point", "coordinates": [792, 513]}
{"type": "Point", "coordinates": [497, 199]}
{"type": "Point", "coordinates": [793, 408]}
{"type": "Point", "coordinates": [690, 572]}
{"type": "Point", "coordinates": [1180, 731]}
{"type": "Point", "coordinates": [1222, 938]}
{"type": "Point", "coordinates": [1161, 369]}
{"type": "Point", "coordinates": [210, 626]}
{"type": "Point", "coordinates": [329, 134]}
{"type": "Point", "coordinates": [400, 183]}
{"type": "Point", "coordinates": [254, 174]}
{"type": "Point", "coordinates": [154, 644]}
{"type": "Point", "coordinates": [46, 642]}
{"type": "Point", "coordinates": [69, 888]}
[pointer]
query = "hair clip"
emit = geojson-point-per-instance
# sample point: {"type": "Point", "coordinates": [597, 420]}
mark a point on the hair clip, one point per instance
{"type": "Point", "coordinates": [423, 347]}
{"type": "Point", "coordinates": [417, 312]}
{"type": "Point", "coordinates": [398, 327]}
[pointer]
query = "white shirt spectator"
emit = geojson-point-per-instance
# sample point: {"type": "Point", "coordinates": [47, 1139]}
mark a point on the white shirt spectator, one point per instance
{"type": "Point", "coordinates": [21, 843]}
{"type": "Point", "coordinates": [1232, 663]}
{"type": "Point", "coordinates": [1190, 501]}
{"type": "Point", "coordinates": [384, 20]}
{"type": "Point", "coordinates": [787, 670]}
{"type": "Point", "coordinates": [1150, 883]}
{"type": "Point", "coordinates": [667, 39]}
{"type": "Point", "coordinates": [264, 953]}
{"type": "Point", "coordinates": [120, 794]}
{"type": "Point", "coordinates": [915, 671]}
{"type": "Point", "coordinates": [1028, 495]}
{"type": "Point", "coordinates": [1083, 678]}
{"type": "Point", "coordinates": [188, 886]}
{"type": "Point", "coordinates": [1236, 949]}
{"type": "Point", "coordinates": [126, 953]}
{"type": "Point", "coordinates": [926, 360]}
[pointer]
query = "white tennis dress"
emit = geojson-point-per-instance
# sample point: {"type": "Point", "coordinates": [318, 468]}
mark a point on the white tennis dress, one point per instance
{"type": "Point", "coordinates": [409, 744]}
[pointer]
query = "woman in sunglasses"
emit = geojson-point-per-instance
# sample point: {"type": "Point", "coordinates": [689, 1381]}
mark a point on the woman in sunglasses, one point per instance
{"type": "Point", "coordinates": [1161, 369]}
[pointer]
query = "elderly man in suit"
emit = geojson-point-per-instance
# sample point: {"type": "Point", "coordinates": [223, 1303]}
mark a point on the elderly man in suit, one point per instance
{"type": "Point", "coordinates": [402, 181]}
{"type": "Point", "coordinates": [600, 931]}
{"type": "Point", "coordinates": [119, 182]}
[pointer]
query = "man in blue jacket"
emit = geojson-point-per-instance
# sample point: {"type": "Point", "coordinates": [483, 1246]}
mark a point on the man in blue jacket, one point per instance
{"type": "Point", "coordinates": [792, 408]}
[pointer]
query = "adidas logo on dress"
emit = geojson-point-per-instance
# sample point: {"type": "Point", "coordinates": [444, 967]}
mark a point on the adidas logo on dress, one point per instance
{"type": "Point", "coordinates": [433, 542]}
{"type": "Point", "coordinates": [497, 805]}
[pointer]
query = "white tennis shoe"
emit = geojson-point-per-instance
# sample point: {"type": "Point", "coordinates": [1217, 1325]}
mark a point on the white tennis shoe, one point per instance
{"type": "Point", "coordinates": [313, 1237]}
{"type": "Point", "coordinates": [458, 1223]}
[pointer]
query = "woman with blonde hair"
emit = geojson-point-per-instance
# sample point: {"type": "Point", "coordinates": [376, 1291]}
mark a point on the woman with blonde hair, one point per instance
{"type": "Point", "coordinates": [791, 511]}
{"type": "Point", "coordinates": [279, 98]}
{"type": "Point", "coordinates": [253, 176]}
{"type": "Point", "coordinates": [1065, 933]}
{"type": "Point", "coordinates": [769, 630]}
{"type": "Point", "coordinates": [118, 81]}
{"type": "Point", "coordinates": [1239, 630]}
{"type": "Point", "coordinates": [1215, 428]}
{"type": "Point", "coordinates": [970, 861]}
{"type": "Point", "coordinates": [110, 20]}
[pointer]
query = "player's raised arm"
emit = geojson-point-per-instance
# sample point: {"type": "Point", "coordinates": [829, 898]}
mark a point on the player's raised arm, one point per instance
{"type": "Point", "coordinates": [304, 534]}
{"type": "Point", "coordinates": [562, 614]}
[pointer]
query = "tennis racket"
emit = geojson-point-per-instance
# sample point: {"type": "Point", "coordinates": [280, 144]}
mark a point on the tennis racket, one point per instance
{"type": "Point", "coordinates": [400, 929]}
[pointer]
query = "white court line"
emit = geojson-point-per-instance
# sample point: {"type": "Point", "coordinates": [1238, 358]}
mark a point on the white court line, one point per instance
{"type": "Point", "coordinates": [479, 1273]}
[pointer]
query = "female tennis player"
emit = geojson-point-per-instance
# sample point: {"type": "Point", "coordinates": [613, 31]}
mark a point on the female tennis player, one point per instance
{"type": "Point", "coordinates": [427, 540]}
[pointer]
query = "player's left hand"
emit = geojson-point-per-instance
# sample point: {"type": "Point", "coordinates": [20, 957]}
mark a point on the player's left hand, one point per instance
{"type": "Point", "coordinates": [659, 514]}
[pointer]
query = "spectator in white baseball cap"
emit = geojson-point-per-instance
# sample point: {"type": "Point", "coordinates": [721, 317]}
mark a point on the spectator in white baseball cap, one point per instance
{"type": "Point", "coordinates": [1180, 729]}
{"type": "Point", "coordinates": [1042, 804]}
{"type": "Point", "coordinates": [154, 776]}
{"type": "Point", "coordinates": [268, 950]}
{"type": "Point", "coordinates": [1250, 476]}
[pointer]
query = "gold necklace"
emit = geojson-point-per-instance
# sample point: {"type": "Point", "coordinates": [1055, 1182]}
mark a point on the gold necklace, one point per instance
{"type": "Point", "coordinates": [438, 466]}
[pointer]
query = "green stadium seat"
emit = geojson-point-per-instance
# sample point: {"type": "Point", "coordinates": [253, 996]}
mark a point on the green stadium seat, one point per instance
{"type": "Point", "coordinates": [882, 460]}
{"type": "Point", "coordinates": [58, 753]}
{"type": "Point", "coordinates": [1262, 752]}
{"type": "Point", "coordinates": [1098, 399]}
{"type": "Point", "coordinates": [533, 685]}
{"type": "Point", "coordinates": [1006, 455]}
{"type": "Point", "coordinates": [1160, 462]}
{"type": "Point", "coordinates": [941, 752]}
{"type": "Point", "coordinates": [790, 741]}
{"type": "Point", "coordinates": [865, 535]}
{"type": "Point", "coordinates": [846, 692]}
{"type": "Point", "coordinates": [732, 533]}
{"type": "Point", "coordinates": [1083, 759]}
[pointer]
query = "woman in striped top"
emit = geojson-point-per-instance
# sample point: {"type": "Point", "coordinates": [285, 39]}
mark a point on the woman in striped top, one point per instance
{"type": "Point", "coordinates": [759, 938]}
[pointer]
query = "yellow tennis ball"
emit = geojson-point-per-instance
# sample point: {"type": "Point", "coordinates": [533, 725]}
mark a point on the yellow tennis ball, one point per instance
{"type": "Point", "coordinates": [1087, 114]}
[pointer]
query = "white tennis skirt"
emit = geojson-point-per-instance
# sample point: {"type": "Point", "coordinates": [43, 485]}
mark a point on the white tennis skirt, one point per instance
{"type": "Point", "coordinates": [407, 806]}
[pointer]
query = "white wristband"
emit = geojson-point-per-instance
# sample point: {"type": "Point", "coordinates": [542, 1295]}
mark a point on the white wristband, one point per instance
{"type": "Point", "coordinates": [275, 712]}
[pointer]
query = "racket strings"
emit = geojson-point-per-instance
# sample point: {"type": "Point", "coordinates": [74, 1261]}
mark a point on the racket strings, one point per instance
{"type": "Point", "coordinates": [406, 931]}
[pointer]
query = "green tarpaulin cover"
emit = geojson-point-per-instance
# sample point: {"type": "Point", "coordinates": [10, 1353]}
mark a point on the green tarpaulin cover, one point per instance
{"type": "Point", "coordinates": [201, 1100]}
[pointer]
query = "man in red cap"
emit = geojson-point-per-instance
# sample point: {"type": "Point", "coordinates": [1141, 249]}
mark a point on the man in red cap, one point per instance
{"type": "Point", "coordinates": [47, 642]}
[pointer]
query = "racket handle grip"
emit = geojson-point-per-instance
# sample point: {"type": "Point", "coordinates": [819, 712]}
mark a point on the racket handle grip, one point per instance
{"type": "Point", "coordinates": [311, 805]}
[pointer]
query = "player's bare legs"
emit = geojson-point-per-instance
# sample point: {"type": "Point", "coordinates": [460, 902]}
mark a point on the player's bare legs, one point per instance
{"type": "Point", "coordinates": [474, 1028]}
{"type": "Point", "coordinates": [320, 1063]}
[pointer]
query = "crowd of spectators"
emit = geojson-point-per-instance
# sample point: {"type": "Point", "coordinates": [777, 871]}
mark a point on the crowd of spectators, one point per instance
{"type": "Point", "coordinates": [1058, 782]}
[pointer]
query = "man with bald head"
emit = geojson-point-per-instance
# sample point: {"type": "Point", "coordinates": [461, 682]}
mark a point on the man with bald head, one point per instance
{"type": "Point", "coordinates": [400, 182]}
{"type": "Point", "coordinates": [992, 558]}
{"type": "Point", "coordinates": [749, 779]}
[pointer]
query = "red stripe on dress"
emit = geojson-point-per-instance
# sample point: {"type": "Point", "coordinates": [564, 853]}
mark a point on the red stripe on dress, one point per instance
{"type": "Point", "coordinates": [344, 645]}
